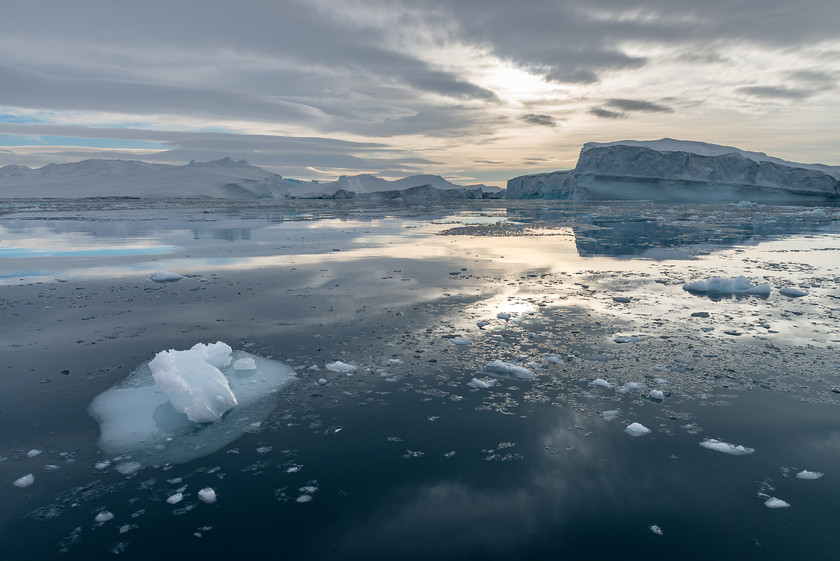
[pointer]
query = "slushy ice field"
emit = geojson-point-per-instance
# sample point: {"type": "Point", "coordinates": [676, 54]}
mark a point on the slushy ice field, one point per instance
{"type": "Point", "coordinates": [490, 379]}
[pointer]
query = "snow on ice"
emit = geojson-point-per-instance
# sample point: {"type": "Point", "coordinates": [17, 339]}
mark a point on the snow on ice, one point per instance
{"type": "Point", "coordinates": [805, 474]}
{"type": "Point", "coordinates": [186, 411]}
{"type": "Point", "coordinates": [726, 448]}
{"type": "Point", "coordinates": [207, 495]}
{"type": "Point", "coordinates": [773, 502]}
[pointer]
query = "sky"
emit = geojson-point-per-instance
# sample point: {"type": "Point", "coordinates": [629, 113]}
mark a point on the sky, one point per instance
{"type": "Point", "coordinates": [477, 91]}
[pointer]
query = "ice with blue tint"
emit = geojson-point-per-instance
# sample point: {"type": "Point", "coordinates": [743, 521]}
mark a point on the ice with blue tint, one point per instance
{"type": "Point", "coordinates": [501, 369]}
{"type": "Point", "coordinates": [723, 286]}
{"type": "Point", "coordinates": [184, 405]}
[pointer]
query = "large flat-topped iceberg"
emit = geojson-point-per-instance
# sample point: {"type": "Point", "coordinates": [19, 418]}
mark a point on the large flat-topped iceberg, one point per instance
{"type": "Point", "coordinates": [183, 405]}
{"type": "Point", "coordinates": [678, 170]}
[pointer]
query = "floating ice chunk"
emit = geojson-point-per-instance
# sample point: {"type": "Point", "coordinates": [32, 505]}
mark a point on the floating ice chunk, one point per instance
{"type": "Point", "coordinates": [175, 498]}
{"type": "Point", "coordinates": [395, 361]}
{"type": "Point", "coordinates": [503, 315]}
{"type": "Point", "coordinates": [726, 448]}
{"type": "Point", "coordinates": [482, 324]}
{"type": "Point", "coordinates": [627, 339]}
{"type": "Point", "coordinates": [103, 464]}
{"type": "Point", "coordinates": [600, 382]}
{"type": "Point", "coordinates": [656, 530]}
{"type": "Point", "coordinates": [460, 341]}
{"type": "Point", "coordinates": [745, 204]}
{"type": "Point", "coordinates": [128, 468]}
{"type": "Point", "coordinates": [193, 382]}
{"type": "Point", "coordinates": [636, 429]}
{"type": "Point", "coordinates": [622, 299]}
{"type": "Point", "coordinates": [805, 474]}
{"type": "Point", "coordinates": [104, 517]}
{"type": "Point", "coordinates": [24, 481]}
{"type": "Point", "coordinates": [136, 416]}
{"type": "Point", "coordinates": [502, 369]}
{"type": "Point", "coordinates": [722, 286]}
{"type": "Point", "coordinates": [207, 495]}
{"type": "Point", "coordinates": [553, 358]}
{"type": "Point", "coordinates": [610, 415]}
{"type": "Point", "coordinates": [303, 499]}
{"type": "Point", "coordinates": [245, 364]}
{"type": "Point", "coordinates": [657, 394]}
{"type": "Point", "coordinates": [341, 367]}
{"type": "Point", "coordinates": [773, 502]}
{"type": "Point", "coordinates": [165, 276]}
{"type": "Point", "coordinates": [792, 292]}
{"type": "Point", "coordinates": [482, 384]}
{"type": "Point", "coordinates": [32, 453]}
{"type": "Point", "coordinates": [631, 386]}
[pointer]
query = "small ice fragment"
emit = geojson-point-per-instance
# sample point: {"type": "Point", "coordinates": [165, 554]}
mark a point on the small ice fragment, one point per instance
{"type": "Point", "coordinates": [610, 415]}
{"type": "Point", "coordinates": [125, 528]}
{"type": "Point", "coordinates": [24, 481]}
{"type": "Point", "coordinates": [773, 502]}
{"type": "Point", "coordinates": [503, 315]}
{"type": "Point", "coordinates": [32, 453]}
{"type": "Point", "coordinates": [792, 292]}
{"type": "Point", "coordinates": [103, 464]}
{"type": "Point", "coordinates": [303, 499]}
{"type": "Point", "coordinates": [657, 394]}
{"type": "Point", "coordinates": [208, 495]}
{"type": "Point", "coordinates": [482, 324]}
{"type": "Point", "coordinates": [627, 339]}
{"type": "Point", "coordinates": [507, 370]}
{"type": "Point", "coordinates": [600, 382]}
{"type": "Point", "coordinates": [726, 448]}
{"type": "Point", "coordinates": [480, 384]}
{"type": "Point", "coordinates": [165, 276]}
{"type": "Point", "coordinates": [460, 341]}
{"type": "Point", "coordinates": [655, 529]}
{"type": "Point", "coordinates": [395, 361]}
{"type": "Point", "coordinates": [622, 299]}
{"type": "Point", "coordinates": [636, 429]}
{"type": "Point", "coordinates": [175, 498]}
{"type": "Point", "coordinates": [264, 449]}
{"type": "Point", "coordinates": [322, 381]}
{"type": "Point", "coordinates": [805, 474]}
{"type": "Point", "coordinates": [247, 363]}
{"type": "Point", "coordinates": [128, 468]}
{"type": "Point", "coordinates": [553, 359]}
{"type": "Point", "coordinates": [630, 386]}
{"type": "Point", "coordinates": [341, 367]}
{"type": "Point", "coordinates": [104, 517]}
{"type": "Point", "coordinates": [721, 286]}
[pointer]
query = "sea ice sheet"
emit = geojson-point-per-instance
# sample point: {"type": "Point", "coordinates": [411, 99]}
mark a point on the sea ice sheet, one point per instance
{"type": "Point", "coordinates": [137, 416]}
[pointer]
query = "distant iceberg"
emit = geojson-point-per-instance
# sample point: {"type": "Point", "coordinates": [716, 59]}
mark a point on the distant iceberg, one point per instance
{"type": "Point", "coordinates": [678, 170]}
{"type": "Point", "coordinates": [183, 405]}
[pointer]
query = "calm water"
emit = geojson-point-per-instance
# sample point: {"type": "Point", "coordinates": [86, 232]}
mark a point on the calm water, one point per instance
{"type": "Point", "coordinates": [401, 458]}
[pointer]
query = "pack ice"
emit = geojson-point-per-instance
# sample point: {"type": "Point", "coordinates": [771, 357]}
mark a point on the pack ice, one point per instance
{"type": "Point", "coordinates": [183, 405]}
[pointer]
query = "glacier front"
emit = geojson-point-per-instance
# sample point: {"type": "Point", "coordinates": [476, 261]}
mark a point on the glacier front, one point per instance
{"type": "Point", "coordinates": [677, 170]}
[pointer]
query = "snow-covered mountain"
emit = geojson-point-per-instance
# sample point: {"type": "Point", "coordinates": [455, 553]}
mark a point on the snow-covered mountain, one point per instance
{"type": "Point", "coordinates": [670, 169]}
{"type": "Point", "coordinates": [219, 179]}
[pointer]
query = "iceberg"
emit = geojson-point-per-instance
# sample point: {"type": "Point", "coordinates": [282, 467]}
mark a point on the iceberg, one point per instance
{"type": "Point", "coordinates": [636, 429]}
{"type": "Point", "coordinates": [718, 286]}
{"type": "Point", "coordinates": [678, 170]}
{"type": "Point", "coordinates": [773, 502]}
{"type": "Point", "coordinates": [726, 448]}
{"type": "Point", "coordinates": [501, 369]}
{"type": "Point", "coordinates": [183, 405]}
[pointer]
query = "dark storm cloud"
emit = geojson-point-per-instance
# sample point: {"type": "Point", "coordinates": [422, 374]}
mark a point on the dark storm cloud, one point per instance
{"type": "Point", "coordinates": [541, 120]}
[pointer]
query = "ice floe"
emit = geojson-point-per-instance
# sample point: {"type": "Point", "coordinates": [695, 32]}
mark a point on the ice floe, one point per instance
{"type": "Point", "coordinates": [636, 429]}
{"type": "Point", "coordinates": [24, 481]}
{"type": "Point", "coordinates": [501, 369]}
{"type": "Point", "coordinates": [657, 394]}
{"type": "Point", "coordinates": [104, 517]}
{"type": "Point", "coordinates": [480, 384]}
{"type": "Point", "coordinates": [722, 287]}
{"type": "Point", "coordinates": [138, 416]}
{"type": "Point", "coordinates": [207, 495]}
{"type": "Point", "coordinates": [726, 448]}
{"type": "Point", "coordinates": [610, 415]}
{"type": "Point", "coordinates": [792, 292]}
{"type": "Point", "coordinates": [656, 529]}
{"type": "Point", "coordinates": [165, 276]}
{"type": "Point", "coordinates": [773, 502]}
{"type": "Point", "coordinates": [341, 367]}
{"type": "Point", "coordinates": [805, 474]}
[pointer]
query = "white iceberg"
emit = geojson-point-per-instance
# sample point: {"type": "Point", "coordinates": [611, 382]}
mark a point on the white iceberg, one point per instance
{"type": "Point", "coordinates": [610, 415]}
{"type": "Point", "coordinates": [805, 474]}
{"type": "Point", "coordinates": [726, 448]}
{"type": "Point", "coordinates": [207, 495]}
{"type": "Point", "coordinates": [657, 394]}
{"type": "Point", "coordinates": [480, 384]}
{"type": "Point", "coordinates": [165, 276]}
{"type": "Point", "coordinates": [141, 417]}
{"type": "Point", "coordinates": [792, 292]}
{"type": "Point", "coordinates": [193, 382]}
{"type": "Point", "coordinates": [600, 382]}
{"type": "Point", "coordinates": [501, 369]}
{"type": "Point", "coordinates": [719, 286]}
{"type": "Point", "coordinates": [636, 429]}
{"type": "Point", "coordinates": [24, 481]}
{"type": "Point", "coordinates": [773, 502]}
{"type": "Point", "coordinates": [341, 367]}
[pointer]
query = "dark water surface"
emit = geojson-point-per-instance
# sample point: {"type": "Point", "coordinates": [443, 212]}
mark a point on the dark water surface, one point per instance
{"type": "Point", "coordinates": [401, 458]}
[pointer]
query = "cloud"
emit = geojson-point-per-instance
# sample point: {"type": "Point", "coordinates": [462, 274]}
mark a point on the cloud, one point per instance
{"type": "Point", "coordinates": [542, 120]}
{"type": "Point", "coordinates": [638, 105]}
{"type": "Point", "coordinates": [777, 92]}
{"type": "Point", "coordinates": [607, 114]}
